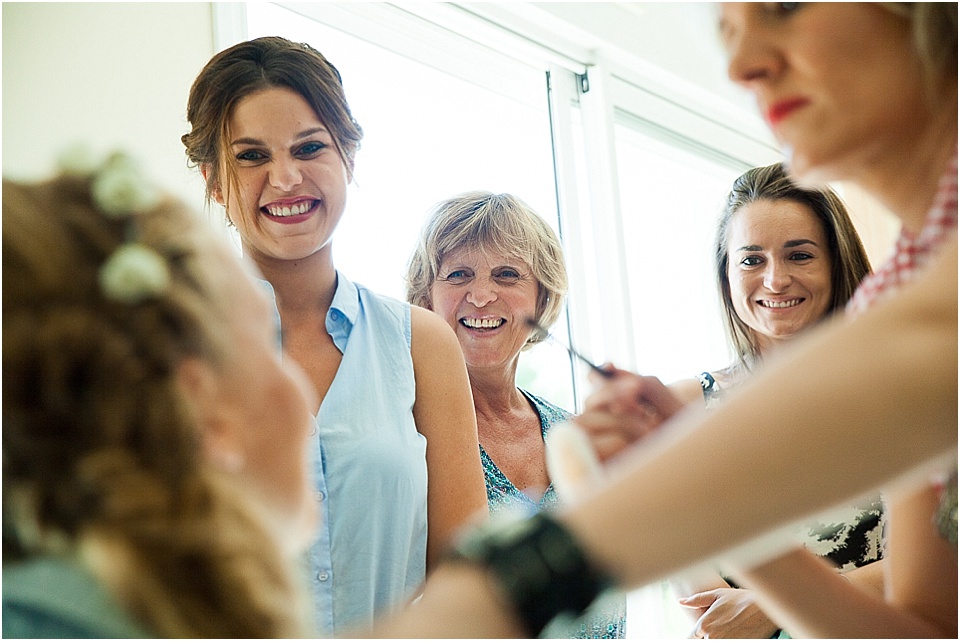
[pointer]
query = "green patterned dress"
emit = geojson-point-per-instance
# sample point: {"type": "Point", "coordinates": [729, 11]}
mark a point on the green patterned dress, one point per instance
{"type": "Point", "coordinates": [607, 618]}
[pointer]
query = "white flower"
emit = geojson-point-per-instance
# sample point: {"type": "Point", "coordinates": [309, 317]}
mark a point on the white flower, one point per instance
{"type": "Point", "coordinates": [120, 189]}
{"type": "Point", "coordinates": [134, 273]}
{"type": "Point", "coordinates": [77, 160]}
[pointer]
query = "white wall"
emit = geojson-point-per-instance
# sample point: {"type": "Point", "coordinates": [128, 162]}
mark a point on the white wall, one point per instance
{"type": "Point", "coordinates": [112, 74]}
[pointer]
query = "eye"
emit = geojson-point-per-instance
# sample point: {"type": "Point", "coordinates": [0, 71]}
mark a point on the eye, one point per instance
{"type": "Point", "coordinates": [782, 8]}
{"type": "Point", "coordinates": [311, 149]}
{"type": "Point", "coordinates": [507, 275]}
{"type": "Point", "coordinates": [801, 256]}
{"type": "Point", "coordinates": [458, 276]}
{"type": "Point", "coordinates": [251, 156]}
{"type": "Point", "coordinates": [750, 261]}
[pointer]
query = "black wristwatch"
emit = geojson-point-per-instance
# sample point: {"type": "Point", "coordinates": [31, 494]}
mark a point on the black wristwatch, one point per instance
{"type": "Point", "coordinates": [540, 567]}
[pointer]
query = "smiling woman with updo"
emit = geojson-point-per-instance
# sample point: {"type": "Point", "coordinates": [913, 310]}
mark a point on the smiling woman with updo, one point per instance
{"type": "Point", "coordinates": [395, 451]}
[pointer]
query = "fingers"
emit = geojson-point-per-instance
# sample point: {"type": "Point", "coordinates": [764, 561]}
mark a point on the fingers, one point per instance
{"type": "Point", "coordinates": [608, 445]}
{"type": "Point", "coordinates": [702, 601]}
{"type": "Point", "coordinates": [624, 408]}
{"type": "Point", "coordinates": [571, 461]}
{"type": "Point", "coordinates": [611, 431]}
{"type": "Point", "coordinates": [596, 378]}
{"type": "Point", "coordinates": [625, 391]}
{"type": "Point", "coordinates": [699, 600]}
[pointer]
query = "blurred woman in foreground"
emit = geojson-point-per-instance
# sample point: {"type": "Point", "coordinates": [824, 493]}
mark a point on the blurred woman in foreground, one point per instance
{"type": "Point", "coordinates": [155, 478]}
{"type": "Point", "coordinates": [856, 91]}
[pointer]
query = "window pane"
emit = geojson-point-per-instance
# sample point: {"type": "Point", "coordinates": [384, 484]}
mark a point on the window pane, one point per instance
{"type": "Point", "coordinates": [671, 194]}
{"type": "Point", "coordinates": [671, 198]}
{"type": "Point", "coordinates": [427, 136]}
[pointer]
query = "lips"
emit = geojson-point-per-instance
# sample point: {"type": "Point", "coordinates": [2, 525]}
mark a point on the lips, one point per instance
{"type": "Point", "coordinates": [780, 110]}
{"type": "Point", "coordinates": [780, 304]}
{"type": "Point", "coordinates": [290, 210]}
{"type": "Point", "coordinates": [482, 323]}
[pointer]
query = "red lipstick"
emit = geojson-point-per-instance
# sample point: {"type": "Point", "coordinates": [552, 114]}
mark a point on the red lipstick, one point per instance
{"type": "Point", "coordinates": [784, 108]}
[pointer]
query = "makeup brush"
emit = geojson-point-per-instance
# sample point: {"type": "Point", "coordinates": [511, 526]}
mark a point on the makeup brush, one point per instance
{"type": "Point", "coordinates": [599, 370]}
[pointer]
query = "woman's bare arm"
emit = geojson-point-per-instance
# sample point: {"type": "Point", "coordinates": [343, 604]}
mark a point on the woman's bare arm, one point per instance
{"type": "Point", "coordinates": [445, 416]}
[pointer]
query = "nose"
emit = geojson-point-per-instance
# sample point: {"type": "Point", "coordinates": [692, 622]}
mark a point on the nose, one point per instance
{"type": "Point", "coordinates": [482, 292]}
{"type": "Point", "coordinates": [285, 174]}
{"type": "Point", "coordinates": [752, 54]}
{"type": "Point", "coordinates": [776, 277]}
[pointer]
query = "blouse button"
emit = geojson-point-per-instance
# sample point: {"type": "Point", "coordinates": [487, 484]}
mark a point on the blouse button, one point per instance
{"type": "Point", "coordinates": [323, 576]}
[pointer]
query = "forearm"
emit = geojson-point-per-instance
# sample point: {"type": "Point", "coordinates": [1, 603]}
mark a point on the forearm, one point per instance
{"type": "Point", "coordinates": [787, 433]}
{"type": "Point", "coordinates": [921, 564]}
{"type": "Point", "coordinates": [811, 599]}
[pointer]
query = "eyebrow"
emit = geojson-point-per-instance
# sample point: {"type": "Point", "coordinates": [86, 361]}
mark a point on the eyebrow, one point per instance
{"type": "Point", "coordinates": [786, 245]}
{"type": "Point", "coordinates": [300, 136]}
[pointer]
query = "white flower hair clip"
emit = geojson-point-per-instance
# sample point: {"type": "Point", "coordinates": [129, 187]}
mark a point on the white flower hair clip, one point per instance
{"type": "Point", "coordinates": [134, 272]}
{"type": "Point", "coordinates": [120, 189]}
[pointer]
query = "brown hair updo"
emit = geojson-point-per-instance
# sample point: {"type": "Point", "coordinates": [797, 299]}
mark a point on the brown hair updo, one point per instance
{"type": "Point", "coordinates": [102, 457]}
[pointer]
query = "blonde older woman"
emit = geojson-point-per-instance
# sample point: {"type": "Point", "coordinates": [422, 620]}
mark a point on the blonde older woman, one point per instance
{"type": "Point", "coordinates": [487, 263]}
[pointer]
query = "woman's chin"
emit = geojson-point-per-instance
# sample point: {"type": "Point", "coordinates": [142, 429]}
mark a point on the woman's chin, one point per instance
{"type": "Point", "coordinates": [807, 170]}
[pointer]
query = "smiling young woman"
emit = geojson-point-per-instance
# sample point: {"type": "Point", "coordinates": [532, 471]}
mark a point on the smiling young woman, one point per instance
{"type": "Point", "coordinates": [395, 452]}
{"type": "Point", "coordinates": [785, 258]}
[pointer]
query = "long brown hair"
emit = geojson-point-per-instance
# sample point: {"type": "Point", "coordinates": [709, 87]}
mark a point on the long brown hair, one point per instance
{"type": "Point", "coordinates": [847, 255]}
{"type": "Point", "coordinates": [934, 36]}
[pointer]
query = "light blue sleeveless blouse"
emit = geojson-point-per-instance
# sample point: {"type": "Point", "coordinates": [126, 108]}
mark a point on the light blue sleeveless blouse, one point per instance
{"type": "Point", "coordinates": [370, 466]}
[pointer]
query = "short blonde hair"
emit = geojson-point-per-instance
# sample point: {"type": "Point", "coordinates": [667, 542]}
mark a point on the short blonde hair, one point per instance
{"type": "Point", "coordinates": [492, 222]}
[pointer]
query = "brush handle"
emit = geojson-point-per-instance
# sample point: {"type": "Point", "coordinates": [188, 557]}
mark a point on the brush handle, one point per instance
{"type": "Point", "coordinates": [599, 370]}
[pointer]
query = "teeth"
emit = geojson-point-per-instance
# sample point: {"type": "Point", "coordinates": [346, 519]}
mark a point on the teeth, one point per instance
{"type": "Point", "coordinates": [482, 323]}
{"type": "Point", "coordinates": [779, 304]}
{"type": "Point", "coordinates": [295, 210]}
